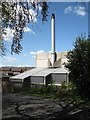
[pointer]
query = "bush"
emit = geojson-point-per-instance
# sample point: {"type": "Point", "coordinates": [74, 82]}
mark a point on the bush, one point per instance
{"type": "Point", "coordinates": [79, 65]}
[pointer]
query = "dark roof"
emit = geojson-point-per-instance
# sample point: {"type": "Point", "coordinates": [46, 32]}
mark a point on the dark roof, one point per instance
{"type": "Point", "coordinates": [5, 69]}
{"type": "Point", "coordinates": [16, 69]}
{"type": "Point", "coordinates": [29, 68]}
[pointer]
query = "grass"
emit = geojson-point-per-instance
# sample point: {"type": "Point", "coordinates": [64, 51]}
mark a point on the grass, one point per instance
{"type": "Point", "coordinates": [67, 92]}
{"type": "Point", "coordinates": [40, 92]}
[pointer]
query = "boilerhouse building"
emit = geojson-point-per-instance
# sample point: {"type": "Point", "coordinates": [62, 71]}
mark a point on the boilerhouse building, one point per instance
{"type": "Point", "coordinates": [49, 66]}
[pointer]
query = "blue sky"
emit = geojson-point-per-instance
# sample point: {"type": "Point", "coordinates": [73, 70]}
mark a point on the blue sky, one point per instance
{"type": "Point", "coordinates": [71, 21]}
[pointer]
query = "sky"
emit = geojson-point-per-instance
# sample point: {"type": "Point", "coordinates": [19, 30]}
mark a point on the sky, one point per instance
{"type": "Point", "coordinates": [71, 20]}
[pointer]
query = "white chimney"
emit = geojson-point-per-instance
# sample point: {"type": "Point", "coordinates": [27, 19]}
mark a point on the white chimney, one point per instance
{"type": "Point", "coordinates": [53, 54]}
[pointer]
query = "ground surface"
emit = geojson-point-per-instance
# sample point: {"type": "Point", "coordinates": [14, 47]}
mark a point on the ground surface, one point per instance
{"type": "Point", "coordinates": [17, 107]}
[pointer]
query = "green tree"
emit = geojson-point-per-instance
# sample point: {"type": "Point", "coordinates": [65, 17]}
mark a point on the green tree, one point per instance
{"type": "Point", "coordinates": [16, 15]}
{"type": "Point", "coordinates": [79, 65]}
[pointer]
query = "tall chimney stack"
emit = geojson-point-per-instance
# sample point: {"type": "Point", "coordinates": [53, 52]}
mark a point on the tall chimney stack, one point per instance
{"type": "Point", "coordinates": [53, 54]}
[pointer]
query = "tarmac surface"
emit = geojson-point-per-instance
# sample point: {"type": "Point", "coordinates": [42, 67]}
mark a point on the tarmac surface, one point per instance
{"type": "Point", "coordinates": [18, 107]}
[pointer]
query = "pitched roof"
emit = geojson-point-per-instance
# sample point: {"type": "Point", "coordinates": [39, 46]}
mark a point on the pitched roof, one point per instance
{"type": "Point", "coordinates": [27, 73]}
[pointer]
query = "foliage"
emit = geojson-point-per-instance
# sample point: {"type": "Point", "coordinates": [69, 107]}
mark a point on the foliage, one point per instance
{"type": "Point", "coordinates": [16, 15]}
{"type": "Point", "coordinates": [71, 94]}
{"type": "Point", "coordinates": [67, 93]}
{"type": "Point", "coordinates": [79, 65]}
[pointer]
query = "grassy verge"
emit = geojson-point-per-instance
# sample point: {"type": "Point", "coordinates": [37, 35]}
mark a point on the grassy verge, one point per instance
{"type": "Point", "coordinates": [66, 92]}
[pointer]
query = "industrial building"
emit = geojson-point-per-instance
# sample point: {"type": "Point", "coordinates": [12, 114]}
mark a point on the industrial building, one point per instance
{"type": "Point", "coordinates": [49, 66]}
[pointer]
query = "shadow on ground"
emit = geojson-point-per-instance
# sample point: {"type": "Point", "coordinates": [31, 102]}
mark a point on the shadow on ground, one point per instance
{"type": "Point", "coordinates": [71, 111]}
{"type": "Point", "coordinates": [16, 107]}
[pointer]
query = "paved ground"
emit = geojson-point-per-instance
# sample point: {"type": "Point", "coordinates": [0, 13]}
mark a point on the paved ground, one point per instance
{"type": "Point", "coordinates": [17, 107]}
{"type": "Point", "coordinates": [0, 104]}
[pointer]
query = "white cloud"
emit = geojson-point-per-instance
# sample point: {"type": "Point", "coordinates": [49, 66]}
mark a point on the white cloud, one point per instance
{"type": "Point", "coordinates": [33, 15]}
{"type": "Point", "coordinates": [34, 53]}
{"type": "Point", "coordinates": [23, 66]}
{"type": "Point", "coordinates": [34, 56]}
{"type": "Point", "coordinates": [9, 59]}
{"type": "Point", "coordinates": [68, 9]}
{"type": "Point", "coordinates": [40, 51]}
{"type": "Point", "coordinates": [27, 29]}
{"type": "Point", "coordinates": [40, 8]}
{"type": "Point", "coordinates": [5, 65]}
{"type": "Point", "coordinates": [25, 55]}
{"type": "Point", "coordinates": [78, 10]}
{"type": "Point", "coordinates": [9, 34]}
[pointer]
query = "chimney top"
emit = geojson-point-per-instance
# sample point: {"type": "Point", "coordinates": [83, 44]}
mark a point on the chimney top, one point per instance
{"type": "Point", "coordinates": [53, 16]}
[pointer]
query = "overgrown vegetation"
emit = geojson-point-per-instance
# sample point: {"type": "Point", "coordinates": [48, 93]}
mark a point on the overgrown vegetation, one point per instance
{"type": "Point", "coordinates": [79, 65]}
{"type": "Point", "coordinates": [66, 92]}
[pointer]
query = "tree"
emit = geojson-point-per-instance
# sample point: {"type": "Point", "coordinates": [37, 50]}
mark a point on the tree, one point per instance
{"type": "Point", "coordinates": [16, 15]}
{"type": "Point", "coordinates": [79, 65]}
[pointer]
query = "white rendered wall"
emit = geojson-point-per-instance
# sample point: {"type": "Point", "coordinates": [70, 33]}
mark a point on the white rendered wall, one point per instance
{"type": "Point", "coordinates": [42, 63]}
{"type": "Point", "coordinates": [44, 59]}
